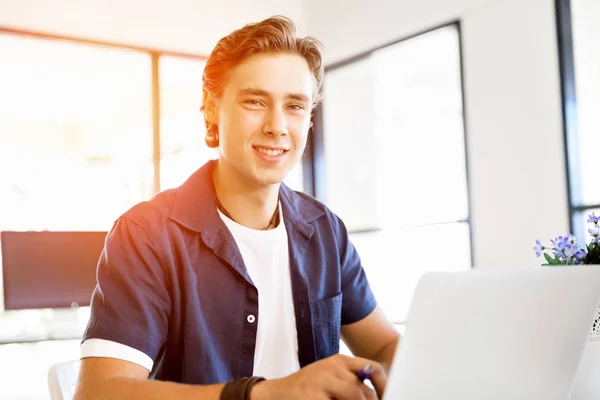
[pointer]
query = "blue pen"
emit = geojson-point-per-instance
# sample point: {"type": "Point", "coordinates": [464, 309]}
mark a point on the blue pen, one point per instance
{"type": "Point", "coordinates": [365, 372]}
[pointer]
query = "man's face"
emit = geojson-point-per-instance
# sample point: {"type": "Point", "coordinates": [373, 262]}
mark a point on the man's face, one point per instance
{"type": "Point", "coordinates": [263, 116]}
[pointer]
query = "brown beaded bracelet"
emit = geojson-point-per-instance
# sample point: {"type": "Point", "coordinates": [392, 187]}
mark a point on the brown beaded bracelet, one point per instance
{"type": "Point", "coordinates": [239, 389]}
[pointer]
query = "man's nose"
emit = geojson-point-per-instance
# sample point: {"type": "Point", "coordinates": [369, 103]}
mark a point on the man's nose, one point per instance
{"type": "Point", "coordinates": [275, 123]}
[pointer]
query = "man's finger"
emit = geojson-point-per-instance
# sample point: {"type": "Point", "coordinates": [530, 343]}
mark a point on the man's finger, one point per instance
{"type": "Point", "coordinates": [343, 390]}
{"type": "Point", "coordinates": [378, 375]}
{"type": "Point", "coordinates": [368, 392]}
{"type": "Point", "coordinates": [379, 380]}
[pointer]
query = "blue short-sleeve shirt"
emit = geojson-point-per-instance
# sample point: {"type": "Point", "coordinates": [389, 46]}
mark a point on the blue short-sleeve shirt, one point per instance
{"type": "Point", "coordinates": [172, 284]}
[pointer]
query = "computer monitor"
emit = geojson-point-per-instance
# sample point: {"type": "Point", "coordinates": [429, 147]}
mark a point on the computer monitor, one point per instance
{"type": "Point", "coordinates": [49, 269]}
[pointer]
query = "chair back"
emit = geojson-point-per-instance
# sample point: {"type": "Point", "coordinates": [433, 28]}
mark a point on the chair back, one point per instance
{"type": "Point", "coordinates": [62, 378]}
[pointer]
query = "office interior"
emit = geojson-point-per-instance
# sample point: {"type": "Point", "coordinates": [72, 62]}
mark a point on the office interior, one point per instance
{"type": "Point", "coordinates": [452, 135]}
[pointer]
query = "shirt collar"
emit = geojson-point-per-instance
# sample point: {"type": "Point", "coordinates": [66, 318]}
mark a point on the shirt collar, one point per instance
{"type": "Point", "coordinates": [194, 205]}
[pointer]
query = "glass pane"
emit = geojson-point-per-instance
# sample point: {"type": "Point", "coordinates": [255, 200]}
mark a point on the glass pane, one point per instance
{"type": "Point", "coordinates": [586, 31]}
{"type": "Point", "coordinates": [182, 124]}
{"type": "Point", "coordinates": [75, 134]}
{"type": "Point", "coordinates": [394, 136]}
{"type": "Point", "coordinates": [395, 259]}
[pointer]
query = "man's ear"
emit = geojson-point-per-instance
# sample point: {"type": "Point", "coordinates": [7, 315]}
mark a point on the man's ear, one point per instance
{"type": "Point", "coordinates": [209, 107]}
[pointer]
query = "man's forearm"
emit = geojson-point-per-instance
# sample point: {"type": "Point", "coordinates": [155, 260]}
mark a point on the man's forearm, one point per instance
{"type": "Point", "coordinates": [386, 355]}
{"type": "Point", "coordinates": [132, 389]}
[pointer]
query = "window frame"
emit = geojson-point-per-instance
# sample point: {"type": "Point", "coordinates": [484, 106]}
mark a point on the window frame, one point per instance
{"type": "Point", "coordinates": [317, 178]}
{"type": "Point", "coordinates": [571, 139]}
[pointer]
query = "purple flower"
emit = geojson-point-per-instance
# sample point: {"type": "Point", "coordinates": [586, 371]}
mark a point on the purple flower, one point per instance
{"type": "Point", "coordinates": [566, 250]}
{"type": "Point", "coordinates": [570, 252]}
{"type": "Point", "coordinates": [592, 218]}
{"type": "Point", "coordinates": [559, 244]}
{"type": "Point", "coordinates": [538, 248]}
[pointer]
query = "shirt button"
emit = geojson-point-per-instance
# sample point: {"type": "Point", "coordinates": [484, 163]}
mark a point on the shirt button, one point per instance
{"type": "Point", "coordinates": [251, 318]}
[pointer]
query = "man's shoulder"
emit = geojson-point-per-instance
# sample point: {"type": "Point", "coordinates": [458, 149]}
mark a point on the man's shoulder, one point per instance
{"type": "Point", "coordinates": [313, 208]}
{"type": "Point", "coordinates": [185, 204]}
{"type": "Point", "coordinates": [308, 200]}
{"type": "Point", "coordinates": [156, 210]}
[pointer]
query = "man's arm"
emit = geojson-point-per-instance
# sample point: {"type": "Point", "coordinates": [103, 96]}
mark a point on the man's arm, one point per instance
{"type": "Point", "coordinates": [333, 377]}
{"type": "Point", "coordinates": [373, 337]}
{"type": "Point", "coordinates": [108, 378]}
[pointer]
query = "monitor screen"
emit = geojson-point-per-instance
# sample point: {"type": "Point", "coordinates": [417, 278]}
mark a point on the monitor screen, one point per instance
{"type": "Point", "coordinates": [49, 269]}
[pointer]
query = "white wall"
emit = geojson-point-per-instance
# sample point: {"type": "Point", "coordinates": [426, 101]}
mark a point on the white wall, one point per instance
{"type": "Point", "coordinates": [515, 154]}
{"type": "Point", "coordinates": [351, 26]}
{"type": "Point", "coordinates": [181, 25]}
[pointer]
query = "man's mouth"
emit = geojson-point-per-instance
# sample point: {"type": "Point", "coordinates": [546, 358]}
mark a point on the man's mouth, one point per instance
{"type": "Point", "coordinates": [272, 152]}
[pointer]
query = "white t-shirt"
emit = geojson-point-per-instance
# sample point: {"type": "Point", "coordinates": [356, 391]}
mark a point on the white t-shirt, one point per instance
{"type": "Point", "coordinates": [266, 257]}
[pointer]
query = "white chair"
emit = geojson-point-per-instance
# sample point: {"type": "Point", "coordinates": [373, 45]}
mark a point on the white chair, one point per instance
{"type": "Point", "coordinates": [62, 378]}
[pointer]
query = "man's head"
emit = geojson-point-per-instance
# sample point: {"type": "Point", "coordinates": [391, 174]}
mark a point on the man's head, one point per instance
{"type": "Point", "coordinates": [261, 83]}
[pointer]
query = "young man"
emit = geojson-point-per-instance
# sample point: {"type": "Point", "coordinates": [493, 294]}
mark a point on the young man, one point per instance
{"type": "Point", "coordinates": [231, 278]}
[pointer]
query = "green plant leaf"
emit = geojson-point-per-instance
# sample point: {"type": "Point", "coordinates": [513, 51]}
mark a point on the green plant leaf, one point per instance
{"type": "Point", "coordinates": [548, 258]}
{"type": "Point", "coordinates": [557, 261]}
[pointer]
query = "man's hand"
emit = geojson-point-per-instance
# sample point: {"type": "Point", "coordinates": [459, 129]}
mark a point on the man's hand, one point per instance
{"type": "Point", "coordinates": [331, 378]}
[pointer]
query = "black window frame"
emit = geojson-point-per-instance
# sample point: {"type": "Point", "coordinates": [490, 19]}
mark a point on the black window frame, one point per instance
{"type": "Point", "coordinates": [317, 178]}
{"type": "Point", "coordinates": [567, 71]}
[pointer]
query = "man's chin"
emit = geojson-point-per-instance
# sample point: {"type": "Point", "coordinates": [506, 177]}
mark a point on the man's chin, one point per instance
{"type": "Point", "coordinates": [270, 182]}
{"type": "Point", "coordinates": [271, 179]}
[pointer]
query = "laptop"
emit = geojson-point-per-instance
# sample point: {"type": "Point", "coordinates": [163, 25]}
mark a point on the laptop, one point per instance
{"type": "Point", "coordinates": [509, 333]}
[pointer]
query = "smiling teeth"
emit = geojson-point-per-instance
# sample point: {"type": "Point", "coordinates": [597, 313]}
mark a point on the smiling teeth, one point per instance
{"type": "Point", "coordinates": [269, 152]}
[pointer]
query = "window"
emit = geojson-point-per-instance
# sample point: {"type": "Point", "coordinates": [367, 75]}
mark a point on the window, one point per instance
{"type": "Point", "coordinates": [182, 128]}
{"type": "Point", "coordinates": [586, 31]}
{"type": "Point", "coordinates": [76, 151]}
{"type": "Point", "coordinates": [395, 168]}
{"type": "Point", "coordinates": [75, 132]}
{"type": "Point", "coordinates": [579, 28]}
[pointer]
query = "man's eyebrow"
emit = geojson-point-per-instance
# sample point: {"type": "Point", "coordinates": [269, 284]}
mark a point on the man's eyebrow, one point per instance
{"type": "Point", "coordinates": [263, 93]}
{"type": "Point", "coordinates": [299, 97]}
{"type": "Point", "coordinates": [253, 92]}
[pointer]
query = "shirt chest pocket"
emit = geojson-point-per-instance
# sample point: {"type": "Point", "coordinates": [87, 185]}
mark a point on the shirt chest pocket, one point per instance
{"type": "Point", "coordinates": [326, 317]}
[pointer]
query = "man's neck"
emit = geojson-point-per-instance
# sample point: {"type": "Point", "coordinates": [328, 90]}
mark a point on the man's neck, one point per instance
{"type": "Point", "coordinates": [247, 204]}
